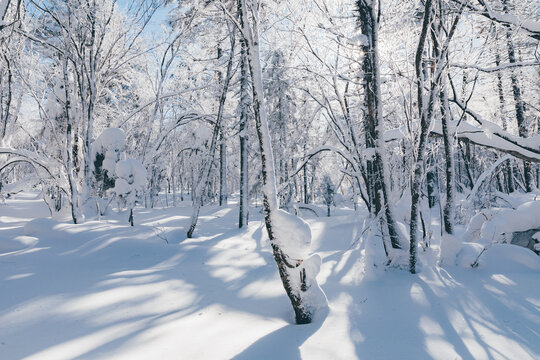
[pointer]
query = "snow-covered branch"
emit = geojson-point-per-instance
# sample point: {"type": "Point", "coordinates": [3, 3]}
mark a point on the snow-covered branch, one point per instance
{"type": "Point", "coordinates": [495, 68]}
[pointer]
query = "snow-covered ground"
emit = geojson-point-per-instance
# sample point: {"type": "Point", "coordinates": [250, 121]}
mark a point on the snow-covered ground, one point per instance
{"type": "Point", "coordinates": [105, 290]}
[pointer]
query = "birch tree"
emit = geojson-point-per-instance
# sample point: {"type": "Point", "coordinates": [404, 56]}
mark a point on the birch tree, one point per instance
{"type": "Point", "coordinates": [298, 275]}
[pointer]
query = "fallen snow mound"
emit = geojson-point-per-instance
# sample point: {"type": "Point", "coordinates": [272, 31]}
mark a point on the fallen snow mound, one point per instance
{"type": "Point", "coordinates": [509, 258]}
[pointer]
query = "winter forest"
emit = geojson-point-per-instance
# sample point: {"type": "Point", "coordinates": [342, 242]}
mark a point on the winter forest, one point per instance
{"type": "Point", "coordinates": [270, 179]}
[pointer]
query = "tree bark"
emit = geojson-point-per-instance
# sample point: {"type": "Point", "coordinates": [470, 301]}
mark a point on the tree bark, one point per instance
{"type": "Point", "coordinates": [288, 268]}
{"type": "Point", "coordinates": [243, 216]}
{"type": "Point", "coordinates": [378, 187]}
{"type": "Point", "coordinates": [518, 103]}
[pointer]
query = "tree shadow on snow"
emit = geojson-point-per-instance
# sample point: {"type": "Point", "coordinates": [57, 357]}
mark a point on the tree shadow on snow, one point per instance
{"type": "Point", "coordinates": [285, 342]}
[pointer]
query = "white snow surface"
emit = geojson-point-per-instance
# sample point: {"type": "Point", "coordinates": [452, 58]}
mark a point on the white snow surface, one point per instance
{"type": "Point", "coordinates": [106, 290]}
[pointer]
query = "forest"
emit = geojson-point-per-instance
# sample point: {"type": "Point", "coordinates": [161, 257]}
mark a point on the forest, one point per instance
{"type": "Point", "coordinates": [278, 179]}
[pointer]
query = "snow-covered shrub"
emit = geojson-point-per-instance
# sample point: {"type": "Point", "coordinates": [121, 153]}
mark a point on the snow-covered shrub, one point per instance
{"type": "Point", "coordinates": [129, 184]}
{"type": "Point", "coordinates": [328, 191]}
{"type": "Point", "coordinates": [107, 150]}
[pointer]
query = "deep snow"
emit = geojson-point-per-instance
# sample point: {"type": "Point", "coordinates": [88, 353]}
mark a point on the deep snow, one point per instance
{"type": "Point", "coordinates": [106, 290]}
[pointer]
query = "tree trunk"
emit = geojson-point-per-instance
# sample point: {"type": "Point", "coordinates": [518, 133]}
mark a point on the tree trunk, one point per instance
{"type": "Point", "coordinates": [244, 179]}
{"type": "Point", "coordinates": [520, 110]}
{"type": "Point", "coordinates": [202, 185]}
{"type": "Point", "coordinates": [508, 179]}
{"type": "Point", "coordinates": [290, 270]}
{"type": "Point", "coordinates": [378, 187]}
{"type": "Point", "coordinates": [425, 121]}
{"type": "Point", "coordinates": [74, 199]}
{"type": "Point", "coordinates": [449, 206]}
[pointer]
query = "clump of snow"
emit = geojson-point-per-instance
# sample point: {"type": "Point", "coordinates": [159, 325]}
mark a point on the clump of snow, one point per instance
{"type": "Point", "coordinates": [110, 139]}
{"type": "Point", "coordinates": [130, 182]}
{"type": "Point", "coordinates": [474, 228]}
{"type": "Point", "coordinates": [358, 39]}
{"type": "Point", "coordinates": [121, 187]}
{"type": "Point", "coordinates": [468, 253]}
{"type": "Point", "coordinates": [133, 174]}
{"type": "Point", "coordinates": [315, 298]}
{"type": "Point", "coordinates": [111, 143]}
{"type": "Point", "coordinates": [508, 221]}
{"type": "Point", "coordinates": [292, 234]}
{"type": "Point", "coordinates": [369, 153]}
{"type": "Point", "coordinates": [450, 246]}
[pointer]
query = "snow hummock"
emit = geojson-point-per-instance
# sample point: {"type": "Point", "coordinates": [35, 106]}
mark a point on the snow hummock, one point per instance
{"type": "Point", "coordinates": [505, 257]}
{"type": "Point", "coordinates": [39, 226]}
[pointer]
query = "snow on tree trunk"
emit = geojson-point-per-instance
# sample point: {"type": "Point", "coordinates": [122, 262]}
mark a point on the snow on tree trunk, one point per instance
{"type": "Point", "coordinates": [4, 4]}
{"type": "Point", "coordinates": [289, 236]}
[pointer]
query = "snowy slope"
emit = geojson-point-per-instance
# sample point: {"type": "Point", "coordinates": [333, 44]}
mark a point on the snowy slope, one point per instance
{"type": "Point", "coordinates": [105, 290]}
